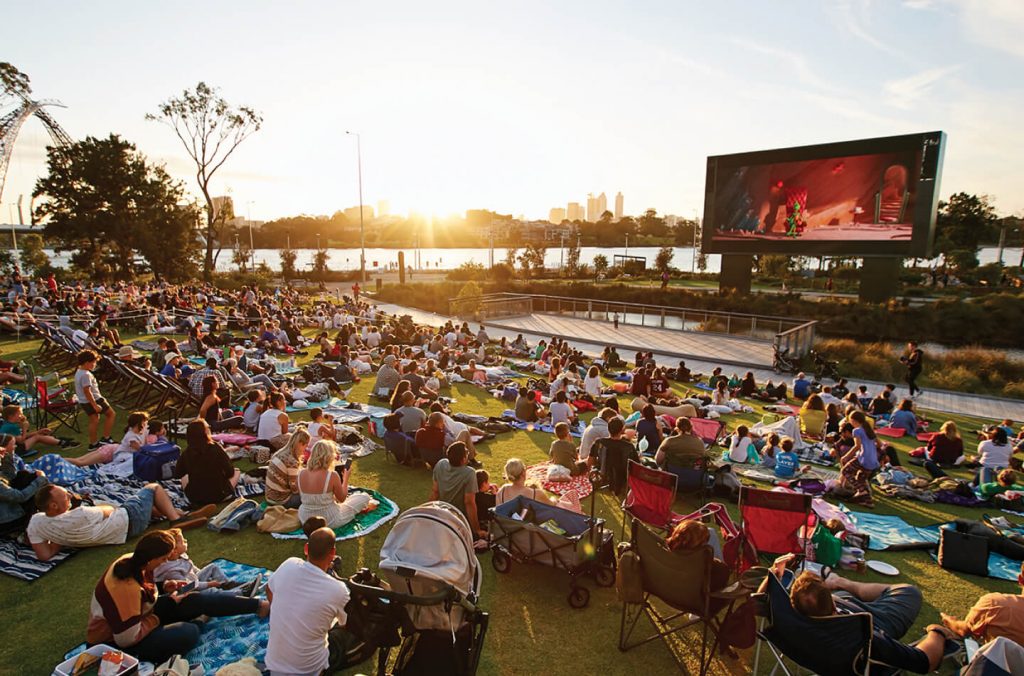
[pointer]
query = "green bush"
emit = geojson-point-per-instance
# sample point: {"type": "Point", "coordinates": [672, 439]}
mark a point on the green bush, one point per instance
{"type": "Point", "coordinates": [467, 271]}
{"type": "Point", "coordinates": [1014, 390]}
{"type": "Point", "coordinates": [958, 379]}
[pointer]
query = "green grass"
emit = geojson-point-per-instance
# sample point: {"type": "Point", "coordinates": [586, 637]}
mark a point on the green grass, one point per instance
{"type": "Point", "coordinates": [532, 629]}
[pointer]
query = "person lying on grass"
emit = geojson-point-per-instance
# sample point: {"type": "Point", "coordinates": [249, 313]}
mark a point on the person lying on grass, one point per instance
{"type": "Point", "coordinates": [57, 524]}
{"type": "Point", "coordinates": [992, 616]}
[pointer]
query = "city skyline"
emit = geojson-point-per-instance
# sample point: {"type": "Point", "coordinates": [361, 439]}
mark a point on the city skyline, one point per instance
{"type": "Point", "coordinates": [453, 102]}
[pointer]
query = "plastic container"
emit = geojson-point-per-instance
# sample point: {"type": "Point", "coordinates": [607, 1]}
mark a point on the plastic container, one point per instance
{"type": "Point", "coordinates": [130, 665]}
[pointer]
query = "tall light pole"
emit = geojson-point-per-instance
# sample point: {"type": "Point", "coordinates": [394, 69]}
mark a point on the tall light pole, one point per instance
{"type": "Point", "coordinates": [362, 229]}
{"type": "Point", "coordinates": [252, 249]}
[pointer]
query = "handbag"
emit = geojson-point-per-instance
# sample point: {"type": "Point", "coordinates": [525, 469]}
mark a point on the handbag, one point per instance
{"type": "Point", "coordinates": [963, 552]}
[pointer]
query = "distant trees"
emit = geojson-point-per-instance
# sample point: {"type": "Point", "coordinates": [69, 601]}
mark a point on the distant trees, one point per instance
{"type": "Point", "coordinates": [103, 201]}
{"type": "Point", "coordinates": [210, 129]}
{"type": "Point", "coordinates": [34, 261]}
{"type": "Point", "coordinates": [652, 225]}
{"type": "Point", "coordinates": [572, 255]}
{"type": "Point", "coordinates": [663, 261]}
{"type": "Point", "coordinates": [963, 223]}
{"type": "Point", "coordinates": [532, 259]}
{"type": "Point", "coordinates": [600, 265]}
{"type": "Point", "coordinates": [288, 257]}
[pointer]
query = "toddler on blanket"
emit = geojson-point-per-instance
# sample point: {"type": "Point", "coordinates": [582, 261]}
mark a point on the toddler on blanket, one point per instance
{"type": "Point", "coordinates": [179, 568]}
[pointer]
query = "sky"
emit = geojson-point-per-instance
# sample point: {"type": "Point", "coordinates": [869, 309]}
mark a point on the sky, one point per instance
{"type": "Point", "coordinates": [521, 107]}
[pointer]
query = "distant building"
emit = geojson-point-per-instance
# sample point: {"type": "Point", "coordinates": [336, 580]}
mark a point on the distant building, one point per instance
{"type": "Point", "coordinates": [671, 220]}
{"type": "Point", "coordinates": [592, 212]}
{"type": "Point", "coordinates": [556, 215]}
{"type": "Point", "coordinates": [222, 203]}
{"type": "Point", "coordinates": [352, 213]}
{"type": "Point", "coordinates": [602, 205]}
{"type": "Point", "coordinates": [618, 207]}
{"type": "Point", "coordinates": [383, 208]}
{"type": "Point", "coordinates": [574, 212]}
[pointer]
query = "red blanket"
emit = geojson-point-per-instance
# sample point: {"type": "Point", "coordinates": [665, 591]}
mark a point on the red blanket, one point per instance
{"type": "Point", "coordinates": [539, 474]}
{"type": "Point", "coordinates": [891, 431]}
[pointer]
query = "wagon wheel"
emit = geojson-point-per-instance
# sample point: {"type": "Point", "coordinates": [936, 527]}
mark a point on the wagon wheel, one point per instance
{"type": "Point", "coordinates": [604, 577]}
{"type": "Point", "coordinates": [501, 561]}
{"type": "Point", "coordinates": [579, 597]}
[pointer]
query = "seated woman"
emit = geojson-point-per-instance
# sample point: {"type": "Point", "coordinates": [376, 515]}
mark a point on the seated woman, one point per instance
{"type": "Point", "coordinates": [325, 493]}
{"type": "Point", "coordinates": [943, 450]}
{"type": "Point", "coordinates": [690, 535]}
{"type": "Point", "coordinates": [813, 416]}
{"type": "Point", "coordinates": [515, 475]}
{"type": "Point", "coordinates": [210, 411]}
{"type": "Point", "coordinates": [1006, 480]}
{"type": "Point", "coordinates": [834, 419]}
{"type": "Point", "coordinates": [206, 472]}
{"type": "Point", "coordinates": [648, 427]}
{"type": "Point", "coordinates": [243, 381]}
{"type": "Point", "coordinates": [282, 484]}
{"type": "Point", "coordinates": [592, 385]}
{"type": "Point", "coordinates": [748, 386]}
{"type": "Point", "coordinates": [904, 418]}
{"type": "Point", "coordinates": [18, 488]}
{"type": "Point", "coordinates": [994, 454]}
{"type": "Point", "coordinates": [128, 610]}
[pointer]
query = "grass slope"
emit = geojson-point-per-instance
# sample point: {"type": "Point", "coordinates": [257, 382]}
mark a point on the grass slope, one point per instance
{"type": "Point", "coordinates": [532, 629]}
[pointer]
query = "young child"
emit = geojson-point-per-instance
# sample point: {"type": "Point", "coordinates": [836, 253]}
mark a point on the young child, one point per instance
{"type": "Point", "coordinates": [787, 463]}
{"type": "Point", "coordinates": [321, 427]}
{"type": "Point", "coordinates": [178, 569]}
{"type": "Point", "coordinates": [88, 396]}
{"type": "Point", "coordinates": [251, 414]}
{"type": "Point", "coordinates": [770, 450]}
{"type": "Point", "coordinates": [16, 424]}
{"type": "Point", "coordinates": [563, 450]}
{"type": "Point", "coordinates": [157, 432]}
{"type": "Point", "coordinates": [134, 439]}
{"type": "Point", "coordinates": [485, 496]}
{"type": "Point", "coordinates": [741, 447]}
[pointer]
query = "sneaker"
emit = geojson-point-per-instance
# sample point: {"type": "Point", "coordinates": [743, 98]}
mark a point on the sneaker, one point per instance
{"type": "Point", "coordinates": [69, 443]}
{"type": "Point", "coordinates": [93, 447]}
{"type": "Point", "coordinates": [108, 440]}
{"type": "Point", "coordinates": [475, 464]}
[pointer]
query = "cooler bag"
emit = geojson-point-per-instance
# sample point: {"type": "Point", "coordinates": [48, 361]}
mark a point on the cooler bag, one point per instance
{"type": "Point", "coordinates": [155, 462]}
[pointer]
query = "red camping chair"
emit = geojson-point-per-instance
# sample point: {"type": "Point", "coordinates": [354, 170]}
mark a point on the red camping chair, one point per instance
{"type": "Point", "coordinates": [708, 430]}
{"type": "Point", "coordinates": [55, 406]}
{"type": "Point", "coordinates": [650, 497]}
{"type": "Point", "coordinates": [737, 552]}
{"type": "Point", "coordinates": [771, 521]}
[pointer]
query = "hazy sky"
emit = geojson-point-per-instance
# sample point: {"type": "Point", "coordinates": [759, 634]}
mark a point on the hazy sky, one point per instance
{"type": "Point", "coordinates": [523, 106]}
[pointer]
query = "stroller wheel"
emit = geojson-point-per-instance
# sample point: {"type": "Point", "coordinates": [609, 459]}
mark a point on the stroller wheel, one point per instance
{"type": "Point", "coordinates": [501, 561]}
{"type": "Point", "coordinates": [604, 577]}
{"type": "Point", "coordinates": [579, 597]}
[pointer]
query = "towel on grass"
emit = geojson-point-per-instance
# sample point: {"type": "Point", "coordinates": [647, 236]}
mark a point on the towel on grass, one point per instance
{"type": "Point", "coordinates": [539, 474]}
{"type": "Point", "coordinates": [361, 525]}
{"type": "Point", "coordinates": [18, 560]}
{"type": "Point", "coordinates": [896, 432]}
{"type": "Point", "coordinates": [224, 640]}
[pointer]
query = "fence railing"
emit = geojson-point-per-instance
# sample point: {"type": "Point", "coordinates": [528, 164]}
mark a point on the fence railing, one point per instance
{"type": "Point", "coordinates": [795, 334]}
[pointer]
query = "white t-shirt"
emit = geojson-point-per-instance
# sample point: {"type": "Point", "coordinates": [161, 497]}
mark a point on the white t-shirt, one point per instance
{"type": "Point", "coordinates": [85, 380]}
{"type": "Point", "coordinates": [739, 447]}
{"type": "Point", "coordinates": [79, 336]}
{"type": "Point", "coordinates": [269, 426]}
{"type": "Point", "coordinates": [306, 603]}
{"type": "Point", "coordinates": [592, 386]}
{"type": "Point", "coordinates": [991, 455]}
{"type": "Point", "coordinates": [79, 527]}
{"type": "Point", "coordinates": [125, 449]}
{"type": "Point", "coordinates": [451, 338]}
{"type": "Point", "coordinates": [314, 430]}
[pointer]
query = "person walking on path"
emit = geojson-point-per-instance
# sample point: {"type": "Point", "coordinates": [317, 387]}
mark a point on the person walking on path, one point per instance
{"type": "Point", "coordinates": [913, 361]}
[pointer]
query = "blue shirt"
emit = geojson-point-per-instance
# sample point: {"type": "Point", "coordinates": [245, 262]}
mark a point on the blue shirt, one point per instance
{"type": "Point", "coordinates": [905, 420]}
{"type": "Point", "coordinates": [868, 454]}
{"type": "Point", "coordinates": [786, 464]}
{"type": "Point", "coordinates": [801, 388]}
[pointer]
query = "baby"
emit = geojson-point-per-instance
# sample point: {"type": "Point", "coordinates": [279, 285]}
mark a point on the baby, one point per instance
{"type": "Point", "coordinates": [178, 568]}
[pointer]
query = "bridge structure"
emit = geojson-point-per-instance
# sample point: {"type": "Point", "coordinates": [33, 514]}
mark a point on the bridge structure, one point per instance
{"type": "Point", "coordinates": [13, 120]}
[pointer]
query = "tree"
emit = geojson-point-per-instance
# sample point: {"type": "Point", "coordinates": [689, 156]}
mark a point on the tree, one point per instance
{"type": "Point", "coordinates": [469, 299]}
{"type": "Point", "coordinates": [532, 259]}
{"type": "Point", "coordinates": [241, 255]}
{"type": "Point", "coordinates": [572, 255]}
{"type": "Point", "coordinates": [663, 261]}
{"type": "Point", "coordinates": [702, 261]}
{"type": "Point", "coordinates": [288, 257]}
{"type": "Point", "coordinates": [210, 129]}
{"type": "Point", "coordinates": [103, 201]}
{"type": "Point", "coordinates": [600, 265]}
{"type": "Point", "coordinates": [511, 256]}
{"type": "Point", "coordinates": [962, 224]}
{"type": "Point", "coordinates": [320, 264]}
{"type": "Point", "coordinates": [13, 82]}
{"type": "Point", "coordinates": [652, 225]}
{"type": "Point", "coordinates": [34, 261]}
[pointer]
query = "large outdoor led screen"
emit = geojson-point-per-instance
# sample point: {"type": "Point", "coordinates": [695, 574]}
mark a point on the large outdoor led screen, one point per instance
{"type": "Point", "coordinates": [874, 197]}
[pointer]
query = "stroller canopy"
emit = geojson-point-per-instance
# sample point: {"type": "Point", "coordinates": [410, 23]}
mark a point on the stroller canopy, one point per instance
{"type": "Point", "coordinates": [434, 541]}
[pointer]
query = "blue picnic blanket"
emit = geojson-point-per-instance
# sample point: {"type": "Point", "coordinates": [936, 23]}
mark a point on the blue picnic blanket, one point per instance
{"type": "Point", "coordinates": [23, 399]}
{"type": "Point", "coordinates": [224, 640]}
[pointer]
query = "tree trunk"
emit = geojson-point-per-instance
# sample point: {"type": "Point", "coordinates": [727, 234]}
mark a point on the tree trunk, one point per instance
{"type": "Point", "coordinates": [208, 259]}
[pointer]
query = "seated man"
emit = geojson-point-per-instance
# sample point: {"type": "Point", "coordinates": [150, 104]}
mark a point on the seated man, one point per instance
{"type": "Point", "coordinates": [387, 378]}
{"type": "Point", "coordinates": [992, 616]}
{"type": "Point", "coordinates": [681, 449]}
{"type": "Point", "coordinates": [456, 484]}
{"type": "Point", "coordinates": [57, 524]}
{"type": "Point", "coordinates": [526, 407]}
{"type": "Point", "coordinates": [892, 607]}
{"type": "Point", "coordinates": [307, 619]}
{"type": "Point", "coordinates": [801, 386]}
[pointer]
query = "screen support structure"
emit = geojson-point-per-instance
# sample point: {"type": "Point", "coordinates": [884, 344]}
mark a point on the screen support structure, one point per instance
{"type": "Point", "coordinates": [736, 273]}
{"type": "Point", "coordinates": [879, 277]}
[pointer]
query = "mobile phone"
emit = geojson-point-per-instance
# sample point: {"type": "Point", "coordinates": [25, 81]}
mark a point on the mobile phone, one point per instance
{"type": "Point", "coordinates": [347, 464]}
{"type": "Point", "coordinates": [187, 588]}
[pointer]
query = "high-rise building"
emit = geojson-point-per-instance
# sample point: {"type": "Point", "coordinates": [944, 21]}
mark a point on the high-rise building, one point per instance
{"type": "Point", "coordinates": [383, 208]}
{"type": "Point", "coordinates": [352, 213]}
{"type": "Point", "coordinates": [618, 207]}
{"type": "Point", "coordinates": [602, 205]}
{"type": "Point", "coordinates": [592, 213]}
{"type": "Point", "coordinates": [574, 212]}
{"type": "Point", "coordinates": [556, 215]}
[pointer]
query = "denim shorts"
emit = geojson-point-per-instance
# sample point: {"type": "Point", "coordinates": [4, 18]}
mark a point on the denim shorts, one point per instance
{"type": "Point", "coordinates": [140, 511]}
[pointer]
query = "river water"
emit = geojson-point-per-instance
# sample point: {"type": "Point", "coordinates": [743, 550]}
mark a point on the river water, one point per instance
{"type": "Point", "coordinates": [447, 259]}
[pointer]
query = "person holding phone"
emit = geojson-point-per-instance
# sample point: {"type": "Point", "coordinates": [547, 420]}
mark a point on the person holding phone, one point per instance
{"type": "Point", "coordinates": [324, 492]}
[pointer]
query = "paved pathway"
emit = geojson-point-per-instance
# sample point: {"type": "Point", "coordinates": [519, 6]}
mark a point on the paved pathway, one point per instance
{"type": "Point", "coordinates": [669, 346]}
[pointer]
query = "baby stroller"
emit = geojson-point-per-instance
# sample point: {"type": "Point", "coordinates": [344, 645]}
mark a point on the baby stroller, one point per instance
{"type": "Point", "coordinates": [425, 600]}
{"type": "Point", "coordinates": [527, 530]}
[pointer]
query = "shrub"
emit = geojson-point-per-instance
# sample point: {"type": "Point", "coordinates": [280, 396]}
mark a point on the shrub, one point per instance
{"type": "Point", "coordinates": [1014, 389]}
{"type": "Point", "coordinates": [958, 379]}
{"type": "Point", "coordinates": [467, 271]}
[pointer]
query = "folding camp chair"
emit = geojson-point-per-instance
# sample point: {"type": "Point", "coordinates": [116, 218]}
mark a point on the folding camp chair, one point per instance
{"type": "Point", "coordinates": [692, 480]}
{"type": "Point", "coordinates": [650, 497]}
{"type": "Point", "coordinates": [55, 405]}
{"type": "Point", "coordinates": [708, 430]}
{"type": "Point", "coordinates": [682, 580]}
{"type": "Point", "coordinates": [771, 521]}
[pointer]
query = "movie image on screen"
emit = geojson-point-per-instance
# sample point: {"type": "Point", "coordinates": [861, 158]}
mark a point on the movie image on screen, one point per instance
{"type": "Point", "coordinates": [843, 203]}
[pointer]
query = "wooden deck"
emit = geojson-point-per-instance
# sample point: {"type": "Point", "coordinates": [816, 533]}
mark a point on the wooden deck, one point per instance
{"type": "Point", "coordinates": [702, 352]}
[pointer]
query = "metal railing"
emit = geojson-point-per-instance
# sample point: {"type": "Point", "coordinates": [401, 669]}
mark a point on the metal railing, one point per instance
{"type": "Point", "coordinates": [787, 332]}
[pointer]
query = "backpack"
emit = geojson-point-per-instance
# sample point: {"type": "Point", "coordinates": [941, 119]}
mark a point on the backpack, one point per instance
{"type": "Point", "coordinates": [155, 462]}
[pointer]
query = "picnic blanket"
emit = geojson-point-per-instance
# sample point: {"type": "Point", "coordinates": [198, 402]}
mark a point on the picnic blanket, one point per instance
{"type": "Point", "coordinates": [361, 525]}
{"type": "Point", "coordinates": [223, 640]}
{"type": "Point", "coordinates": [575, 431]}
{"type": "Point", "coordinates": [539, 474]}
{"type": "Point", "coordinates": [895, 432]}
{"type": "Point", "coordinates": [18, 560]}
{"type": "Point", "coordinates": [23, 399]}
{"type": "Point", "coordinates": [250, 490]}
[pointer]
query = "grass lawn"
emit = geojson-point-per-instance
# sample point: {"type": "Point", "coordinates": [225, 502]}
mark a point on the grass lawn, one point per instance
{"type": "Point", "coordinates": [532, 630]}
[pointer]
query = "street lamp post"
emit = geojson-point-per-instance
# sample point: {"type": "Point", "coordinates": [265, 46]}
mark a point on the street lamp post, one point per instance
{"type": "Point", "coordinates": [362, 229]}
{"type": "Point", "coordinates": [252, 249]}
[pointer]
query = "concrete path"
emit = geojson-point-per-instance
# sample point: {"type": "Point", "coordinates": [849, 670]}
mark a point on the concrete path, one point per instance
{"type": "Point", "coordinates": [670, 346]}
